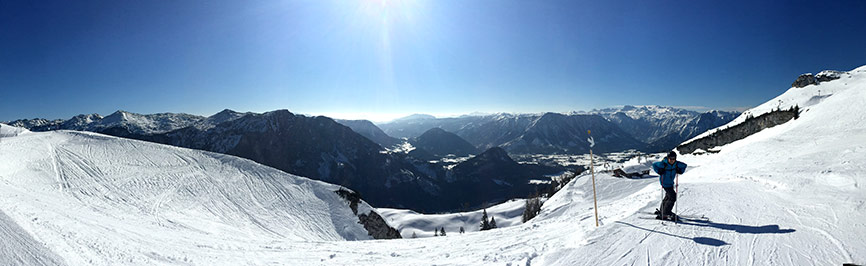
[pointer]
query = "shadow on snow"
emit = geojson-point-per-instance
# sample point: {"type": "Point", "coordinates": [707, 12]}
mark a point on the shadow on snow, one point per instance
{"type": "Point", "coordinates": [742, 229]}
{"type": "Point", "coordinates": [700, 240]}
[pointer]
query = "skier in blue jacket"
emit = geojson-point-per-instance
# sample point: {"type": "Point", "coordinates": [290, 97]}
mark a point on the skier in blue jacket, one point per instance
{"type": "Point", "coordinates": [667, 170]}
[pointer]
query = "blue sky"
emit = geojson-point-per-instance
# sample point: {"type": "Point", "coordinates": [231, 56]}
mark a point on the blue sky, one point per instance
{"type": "Point", "coordinates": [384, 59]}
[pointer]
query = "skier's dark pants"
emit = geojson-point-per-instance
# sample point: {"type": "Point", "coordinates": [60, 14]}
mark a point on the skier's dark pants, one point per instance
{"type": "Point", "coordinates": [668, 201]}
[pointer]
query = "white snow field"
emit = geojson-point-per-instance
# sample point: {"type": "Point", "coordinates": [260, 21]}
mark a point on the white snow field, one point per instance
{"type": "Point", "coordinates": [408, 222]}
{"type": "Point", "coordinates": [95, 199]}
{"type": "Point", "coordinates": [788, 195]}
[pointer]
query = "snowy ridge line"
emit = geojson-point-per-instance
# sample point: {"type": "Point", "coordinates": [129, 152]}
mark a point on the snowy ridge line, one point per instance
{"type": "Point", "coordinates": [803, 97]}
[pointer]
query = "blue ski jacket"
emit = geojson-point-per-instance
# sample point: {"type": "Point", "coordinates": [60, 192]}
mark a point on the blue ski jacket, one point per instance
{"type": "Point", "coordinates": [668, 172]}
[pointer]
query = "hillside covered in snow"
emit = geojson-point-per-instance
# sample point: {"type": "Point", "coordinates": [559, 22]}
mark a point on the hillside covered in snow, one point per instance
{"type": "Point", "coordinates": [86, 198]}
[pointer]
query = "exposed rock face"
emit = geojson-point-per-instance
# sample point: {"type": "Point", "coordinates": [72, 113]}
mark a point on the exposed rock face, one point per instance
{"type": "Point", "coordinates": [828, 75]}
{"type": "Point", "coordinates": [376, 226]}
{"type": "Point", "coordinates": [373, 222]}
{"type": "Point", "coordinates": [740, 131]}
{"type": "Point", "coordinates": [805, 80]}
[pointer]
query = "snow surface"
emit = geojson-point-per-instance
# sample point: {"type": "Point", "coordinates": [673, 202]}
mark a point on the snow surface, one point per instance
{"type": "Point", "coordinates": [788, 195]}
{"type": "Point", "coordinates": [408, 222]}
{"type": "Point", "coordinates": [10, 131]}
{"type": "Point", "coordinates": [92, 199]}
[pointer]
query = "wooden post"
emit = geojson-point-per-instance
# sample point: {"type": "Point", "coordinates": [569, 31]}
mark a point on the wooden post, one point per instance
{"type": "Point", "coordinates": [592, 170]}
{"type": "Point", "coordinates": [677, 187]}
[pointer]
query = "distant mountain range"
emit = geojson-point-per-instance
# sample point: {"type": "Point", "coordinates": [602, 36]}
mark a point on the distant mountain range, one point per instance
{"type": "Point", "coordinates": [646, 128]}
{"type": "Point", "coordinates": [663, 128]}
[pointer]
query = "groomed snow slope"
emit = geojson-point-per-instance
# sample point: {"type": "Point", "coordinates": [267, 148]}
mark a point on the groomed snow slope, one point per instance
{"type": "Point", "coordinates": [98, 200]}
{"type": "Point", "coordinates": [408, 222]}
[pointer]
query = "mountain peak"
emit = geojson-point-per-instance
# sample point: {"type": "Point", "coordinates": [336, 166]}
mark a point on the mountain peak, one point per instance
{"type": "Point", "coordinates": [440, 143]}
{"type": "Point", "coordinates": [435, 131]}
{"type": "Point", "coordinates": [497, 154]}
{"type": "Point", "coordinates": [227, 111]}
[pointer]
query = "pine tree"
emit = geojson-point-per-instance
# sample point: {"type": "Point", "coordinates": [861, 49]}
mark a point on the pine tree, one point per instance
{"type": "Point", "coordinates": [796, 111]}
{"type": "Point", "coordinates": [414, 235]}
{"type": "Point", "coordinates": [485, 224]}
{"type": "Point", "coordinates": [436, 232]}
{"type": "Point", "coordinates": [442, 233]}
{"type": "Point", "coordinates": [492, 222]}
{"type": "Point", "coordinates": [531, 208]}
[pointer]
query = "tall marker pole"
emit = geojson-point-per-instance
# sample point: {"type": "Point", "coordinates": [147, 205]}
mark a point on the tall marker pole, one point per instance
{"type": "Point", "coordinates": [592, 170]}
{"type": "Point", "coordinates": [677, 186]}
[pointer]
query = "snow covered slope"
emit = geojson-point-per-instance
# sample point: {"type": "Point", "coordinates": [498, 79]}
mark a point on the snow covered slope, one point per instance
{"type": "Point", "coordinates": [10, 131]}
{"type": "Point", "coordinates": [804, 97]}
{"type": "Point", "coordinates": [506, 214]}
{"type": "Point", "coordinates": [94, 199]}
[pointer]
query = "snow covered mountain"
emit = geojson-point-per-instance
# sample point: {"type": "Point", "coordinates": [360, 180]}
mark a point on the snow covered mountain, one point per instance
{"type": "Point", "coordinates": [649, 128]}
{"type": "Point", "coordinates": [693, 127]}
{"type": "Point", "coordinates": [86, 198]}
{"type": "Point", "coordinates": [663, 128]}
{"type": "Point", "coordinates": [118, 121]}
{"type": "Point", "coordinates": [646, 123]}
{"type": "Point", "coordinates": [526, 133]}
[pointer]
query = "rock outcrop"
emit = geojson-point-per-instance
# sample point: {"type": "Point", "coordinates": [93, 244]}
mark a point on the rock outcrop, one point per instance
{"type": "Point", "coordinates": [805, 80]}
{"type": "Point", "coordinates": [372, 221]}
{"type": "Point", "coordinates": [828, 75]}
{"type": "Point", "coordinates": [809, 79]}
{"type": "Point", "coordinates": [740, 131]}
{"type": "Point", "coordinates": [376, 226]}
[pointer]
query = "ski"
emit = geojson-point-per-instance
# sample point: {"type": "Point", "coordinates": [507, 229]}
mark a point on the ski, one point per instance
{"type": "Point", "coordinates": [663, 220]}
{"type": "Point", "coordinates": [694, 217]}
